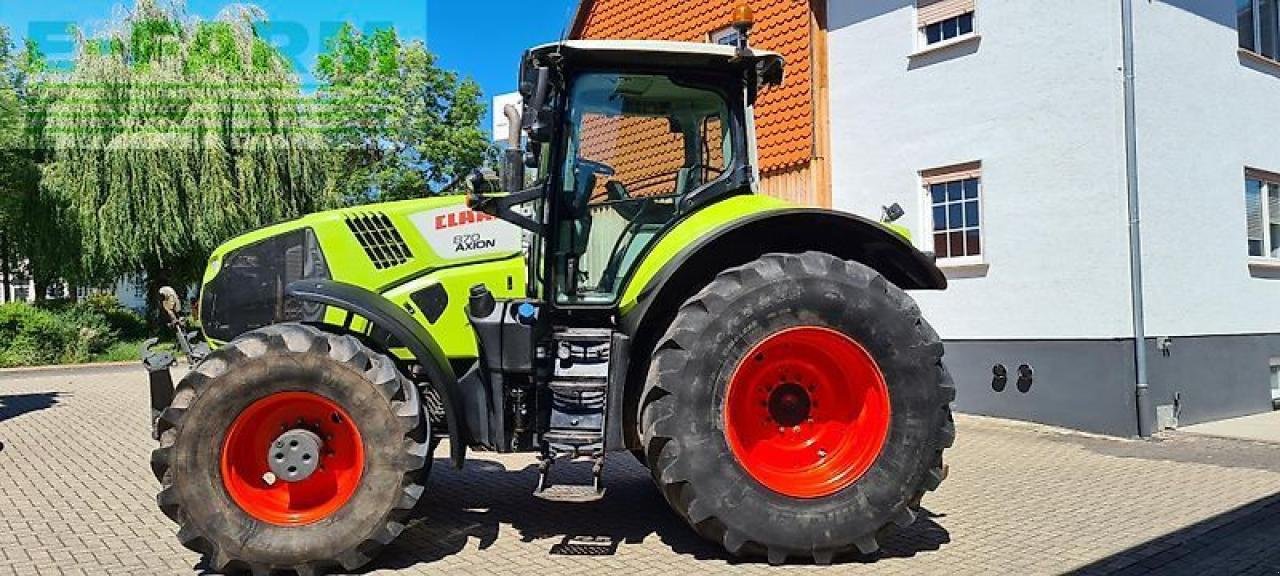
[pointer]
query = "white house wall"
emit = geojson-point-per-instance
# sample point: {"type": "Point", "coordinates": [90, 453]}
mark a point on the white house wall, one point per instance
{"type": "Point", "coordinates": [1204, 113]}
{"type": "Point", "coordinates": [1038, 100]}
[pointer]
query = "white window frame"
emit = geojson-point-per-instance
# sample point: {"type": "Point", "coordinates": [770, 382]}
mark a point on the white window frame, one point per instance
{"type": "Point", "coordinates": [975, 263]}
{"type": "Point", "coordinates": [1270, 185]}
{"type": "Point", "coordinates": [726, 33]}
{"type": "Point", "coordinates": [922, 37]}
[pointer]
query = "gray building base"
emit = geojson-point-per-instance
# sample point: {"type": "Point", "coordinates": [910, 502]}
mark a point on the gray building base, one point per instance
{"type": "Point", "coordinates": [1089, 384]}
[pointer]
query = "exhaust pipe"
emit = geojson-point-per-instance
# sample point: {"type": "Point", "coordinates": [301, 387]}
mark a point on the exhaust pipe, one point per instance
{"type": "Point", "coordinates": [513, 161]}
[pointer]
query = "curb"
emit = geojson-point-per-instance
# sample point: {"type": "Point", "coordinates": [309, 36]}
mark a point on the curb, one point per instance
{"type": "Point", "coordinates": [70, 367]}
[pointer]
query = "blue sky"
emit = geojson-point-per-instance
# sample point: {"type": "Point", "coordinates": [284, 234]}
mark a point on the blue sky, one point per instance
{"type": "Point", "coordinates": [472, 37]}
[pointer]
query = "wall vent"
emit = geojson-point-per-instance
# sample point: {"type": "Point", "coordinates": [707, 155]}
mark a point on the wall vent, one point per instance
{"type": "Point", "coordinates": [380, 239]}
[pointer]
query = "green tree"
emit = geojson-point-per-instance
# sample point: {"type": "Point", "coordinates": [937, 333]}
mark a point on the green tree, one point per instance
{"type": "Point", "coordinates": [398, 125]}
{"type": "Point", "coordinates": [10, 137]}
{"type": "Point", "coordinates": [171, 136]}
{"type": "Point", "coordinates": [33, 223]}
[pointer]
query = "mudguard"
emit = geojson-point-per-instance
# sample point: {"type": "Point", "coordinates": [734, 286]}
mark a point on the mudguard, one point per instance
{"type": "Point", "coordinates": [686, 261]}
{"type": "Point", "coordinates": [400, 330]}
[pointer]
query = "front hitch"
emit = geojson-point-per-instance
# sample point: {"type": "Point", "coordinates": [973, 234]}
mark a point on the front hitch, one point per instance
{"type": "Point", "coordinates": [158, 362]}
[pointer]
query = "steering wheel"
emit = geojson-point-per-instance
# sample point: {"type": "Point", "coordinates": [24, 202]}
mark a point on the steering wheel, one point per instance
{"type": "Point", "coordinates": [715, 171]}
{"type": "Point", "coordinates": [598, 168]}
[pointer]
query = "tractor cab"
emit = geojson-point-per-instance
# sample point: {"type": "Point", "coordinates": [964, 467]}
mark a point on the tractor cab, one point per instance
{"type": "Point", "coordinates": [629, 138]}
{"type": "Point", "coordinates": [624, 148]}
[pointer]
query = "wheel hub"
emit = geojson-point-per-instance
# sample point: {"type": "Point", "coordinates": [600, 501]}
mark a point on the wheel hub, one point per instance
{"type": "Point", "coordinates": [789, 405]}
{"type": "Point", "coordinates": [292, 459]}
{"type": "Point", "coordinates": [295, 455]}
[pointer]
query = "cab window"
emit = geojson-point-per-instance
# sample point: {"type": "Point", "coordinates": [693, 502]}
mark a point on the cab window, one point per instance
{"type": "Point", "coordinates": [635, 145]}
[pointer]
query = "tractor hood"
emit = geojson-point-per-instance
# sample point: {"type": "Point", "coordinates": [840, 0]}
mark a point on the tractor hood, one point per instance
{"type": "Point", "coordinates": [378, 247]}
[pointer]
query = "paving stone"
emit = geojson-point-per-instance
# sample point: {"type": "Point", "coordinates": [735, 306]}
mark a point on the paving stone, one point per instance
{"type": "Point", "coordinates": [77, 497]}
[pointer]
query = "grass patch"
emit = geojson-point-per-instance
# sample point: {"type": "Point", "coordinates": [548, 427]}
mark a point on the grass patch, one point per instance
{"type": "Point", "coordinates": [93, 330]}
{"type": "Point", "coordinates": [127, 350]}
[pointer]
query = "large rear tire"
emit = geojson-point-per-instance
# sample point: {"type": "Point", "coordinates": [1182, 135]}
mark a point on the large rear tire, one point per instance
{"type": "Point", "coordinates": [359, 442]}
{"type": "Point", "coordinates": [797, 407]}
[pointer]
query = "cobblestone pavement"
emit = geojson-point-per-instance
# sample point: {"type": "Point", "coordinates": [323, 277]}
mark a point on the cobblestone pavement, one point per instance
{"type": "Point", "coordinates": [77, 497]}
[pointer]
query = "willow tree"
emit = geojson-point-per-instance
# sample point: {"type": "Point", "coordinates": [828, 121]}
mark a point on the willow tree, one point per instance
{"type": "Point", "coordinates": [171, 136]}
{"type": "Point", "coordinates": [34, 226]}
{"type": "Point", "coordinates": [11, 162]}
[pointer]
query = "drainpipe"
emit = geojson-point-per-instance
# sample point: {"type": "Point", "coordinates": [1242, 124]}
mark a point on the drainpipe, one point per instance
{"type": "Point", "coordinates": [1146, 410]}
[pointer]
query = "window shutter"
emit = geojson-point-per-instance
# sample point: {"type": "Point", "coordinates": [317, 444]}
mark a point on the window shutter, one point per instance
{"type": "Point", "coordinates": [1253, 213]}
{"type": "Point", "coordinates": [933, 11]}
{"type": "Point", "coordinates": [951, 173]}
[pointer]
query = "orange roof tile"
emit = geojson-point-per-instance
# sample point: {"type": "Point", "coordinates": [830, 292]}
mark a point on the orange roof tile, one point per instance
{"type": "Point", "coordinates": [784, 114]}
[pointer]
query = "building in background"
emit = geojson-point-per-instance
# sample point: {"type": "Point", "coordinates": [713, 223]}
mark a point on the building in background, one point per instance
{"type": "Point", "coordinates": [1000, 126]}
{"type": "Point", "coordinates": [130, 291]}
{"type": "Point", "coordinates": [790, 121]}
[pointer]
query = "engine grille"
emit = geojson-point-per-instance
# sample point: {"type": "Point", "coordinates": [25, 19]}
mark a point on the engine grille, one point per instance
{"type": "Point", "coordinates": [380, 240]}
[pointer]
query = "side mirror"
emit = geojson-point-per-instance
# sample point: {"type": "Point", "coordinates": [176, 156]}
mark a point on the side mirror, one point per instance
{"type": "Point", "coordinates": [536, 119]}
{"type": "Point", "coordinates": [477, 183]}
{"type": "Point", "coordinates": [892, 213]}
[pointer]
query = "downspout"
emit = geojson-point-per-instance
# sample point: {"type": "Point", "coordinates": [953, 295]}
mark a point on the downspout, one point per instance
{"type": "Point", "coordinates": [1146, 411]}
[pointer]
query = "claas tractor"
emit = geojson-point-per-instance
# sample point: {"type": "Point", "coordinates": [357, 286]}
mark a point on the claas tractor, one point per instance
{"type": "Point", "coordinates": [638, 299]}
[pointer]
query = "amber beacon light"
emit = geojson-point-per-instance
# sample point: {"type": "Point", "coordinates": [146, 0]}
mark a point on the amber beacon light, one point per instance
{"type": "Point", "coordinates": [743, 18]}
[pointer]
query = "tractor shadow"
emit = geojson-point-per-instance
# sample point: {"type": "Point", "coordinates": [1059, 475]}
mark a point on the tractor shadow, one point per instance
{"type": "Point", "coordinates": [486, 501]}
{"type": "Point", "coordinates": [15, 405]}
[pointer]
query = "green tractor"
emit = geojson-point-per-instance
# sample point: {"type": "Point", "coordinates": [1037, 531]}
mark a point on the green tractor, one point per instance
{"type": "Point", "coordinates": [762, 360]}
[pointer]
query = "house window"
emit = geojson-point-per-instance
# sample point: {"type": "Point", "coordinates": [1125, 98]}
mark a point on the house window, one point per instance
{"type": "Point", "coordinates": [1258, 22]}
{"type": "Point", "coordinates": [725, 36]}
{"type": "Point", "coordinates": [942, 20]}
{"type": "Point", "coordinates": [955, 199]}
{"type": "Point", "coordinates": [1275, 382]}
{"type": "Point", "coordinates": [1262, 209]}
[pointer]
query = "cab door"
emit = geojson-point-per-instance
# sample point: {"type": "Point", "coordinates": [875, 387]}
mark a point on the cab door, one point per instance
{"type": "Point", "coordinates": [636, 148]}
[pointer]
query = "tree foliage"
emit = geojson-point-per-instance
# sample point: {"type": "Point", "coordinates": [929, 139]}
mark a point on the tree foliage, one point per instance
{"type": "Point", "coordinates": [34, 226]}
{"type": "Point", "coordinates": [398, 124]}
{"type": "Point", "coordinates": [171, 136]}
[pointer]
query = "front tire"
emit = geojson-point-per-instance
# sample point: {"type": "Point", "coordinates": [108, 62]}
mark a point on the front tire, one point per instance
{"type": "Point", "coordinates": [797, 407]}
{"type": "Point", "coordinates": [360, 453]}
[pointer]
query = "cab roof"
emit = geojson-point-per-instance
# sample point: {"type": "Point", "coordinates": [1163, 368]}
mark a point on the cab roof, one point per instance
{"type": "Point", "coordinates": [672, 54]}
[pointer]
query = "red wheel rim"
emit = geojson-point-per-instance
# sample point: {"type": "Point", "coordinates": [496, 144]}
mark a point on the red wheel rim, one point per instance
{"type": "Point", "coordinates": [252, 435]}
{"type": "Point", "coordinates": [807, 412]}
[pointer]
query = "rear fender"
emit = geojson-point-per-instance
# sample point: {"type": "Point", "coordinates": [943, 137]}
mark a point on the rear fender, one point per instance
{"type": "Point", "coordinates": [671, 274]}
